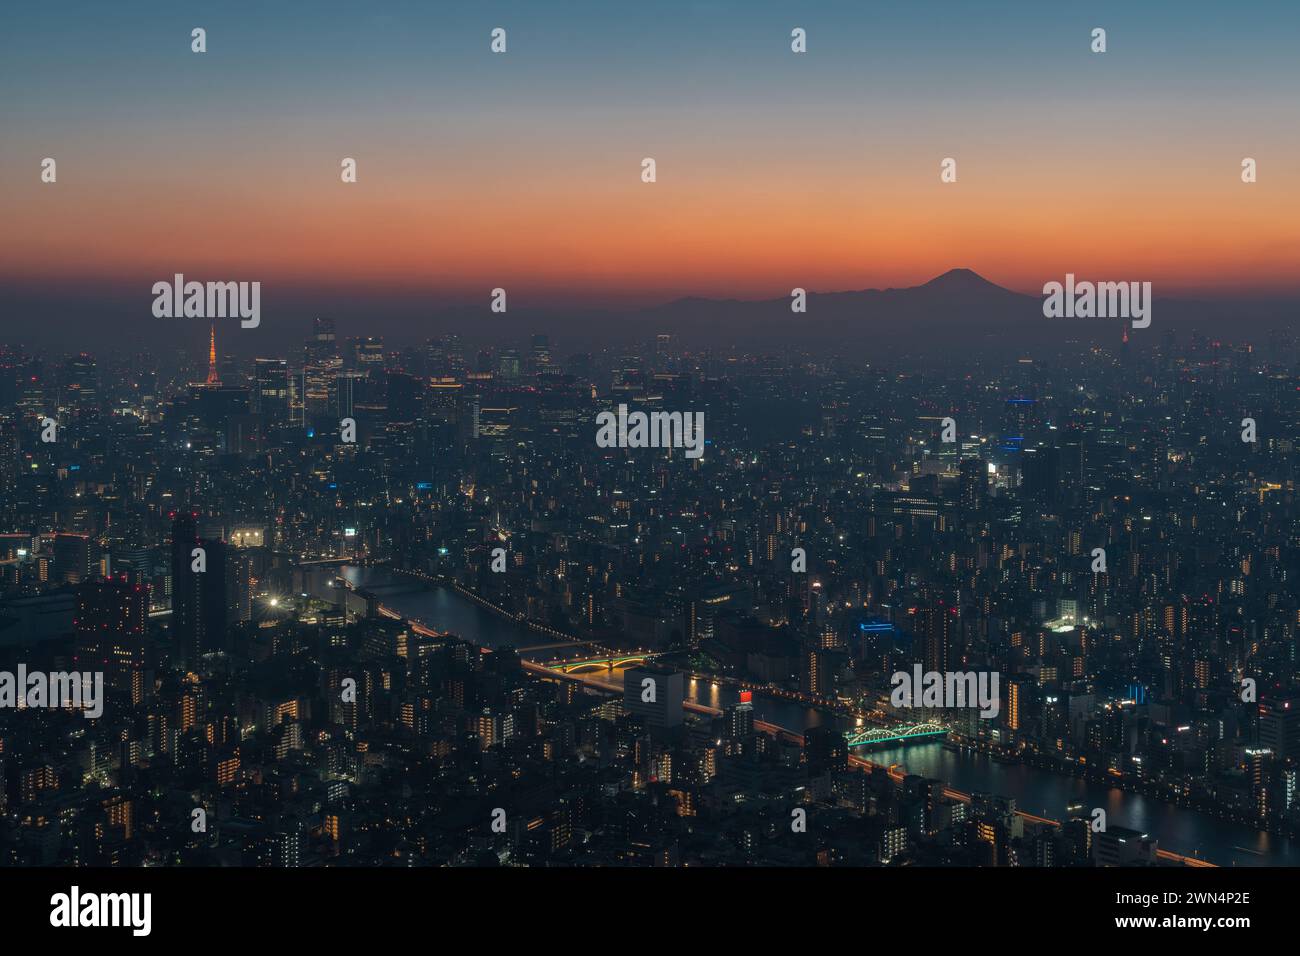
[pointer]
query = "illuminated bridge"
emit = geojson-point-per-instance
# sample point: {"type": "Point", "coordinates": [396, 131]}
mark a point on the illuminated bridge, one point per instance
{"type": "Point", "coordinates": [601, 663]}
{"type": "Point", "coordinates": [866, 736]}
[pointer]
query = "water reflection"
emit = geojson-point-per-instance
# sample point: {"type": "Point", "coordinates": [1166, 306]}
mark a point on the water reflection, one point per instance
{"type": "Point", "coordinates": [1036, 791]}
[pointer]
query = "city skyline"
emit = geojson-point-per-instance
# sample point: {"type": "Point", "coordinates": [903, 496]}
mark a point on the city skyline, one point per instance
{"type": "Point", "coordinates": [893, 542]}
{"type": "Point", "coordinates": [544, 435]}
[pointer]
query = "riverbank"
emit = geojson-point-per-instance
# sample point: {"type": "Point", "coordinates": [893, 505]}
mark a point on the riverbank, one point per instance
{"type": "Point", "coordinates": [1039, 791]}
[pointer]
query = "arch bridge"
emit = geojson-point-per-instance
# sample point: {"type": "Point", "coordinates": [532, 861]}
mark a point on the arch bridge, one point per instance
{"type": "Point", "coordinates": [869, 736]}
{"type": "Point", "coordinates": [608, 662]}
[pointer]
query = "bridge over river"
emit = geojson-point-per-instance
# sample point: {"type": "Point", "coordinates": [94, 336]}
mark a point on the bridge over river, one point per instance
{"type": "Point", "coordinates": [1041, 795]}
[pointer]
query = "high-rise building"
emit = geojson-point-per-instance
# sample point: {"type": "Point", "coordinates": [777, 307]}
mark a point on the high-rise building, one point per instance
{"type": "Point", "coordinates": [321, 364]}
{"type": "Point", "coordinates": [185, 585]}
{"type": "Point", "coordinates": [271, 389]}
{"type": "Point", "coordinates": [322, 346]}
{"type": "Point", "coordinates": [1040, 470]}
{"type": "Point", "coordinates": [404, 397]}
{"type": "Point", "coordinates": [655, 694]}
{"type": "Point", "coordinates": [1279, 726]}
{"type": "Point", "coordinates": [9, 469]}
{"type": "Point", "coordinates": [240, 584]}
{"type": "Point", "coordinates": [1259, 771]}
{"type": "Point", "coordinates": [936, 628]}
{"type": "Point", "coordinates": [81, 382]}
{"type": "Point", "coordinates": [1014, 713]}
{"type": "Point", "coordinates": [541, 357]}
{"type": "Point", "coordinates": [509, 365]}
{"type": "Point", "coordinates": [367, 353]}
{"type": "Point", "coordinates": [215, 595]}
{"type": "Point", "coordinates": [110, 628]}
{"type": "Point", "coordinates": [72, 558]}
{"type": "Point", "coordinates": [826, 750]}
{"type": "Point", "coordinates": [973, 480]}
{"type": "Point", "coordinates": [739, 718]}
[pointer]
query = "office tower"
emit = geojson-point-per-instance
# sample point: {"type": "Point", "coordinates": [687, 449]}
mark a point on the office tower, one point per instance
{"type": "Point", "coordinates": [214, 599]}
{"type": "Point", "coordinates": [435, 358]}
{"type": "Point", "coordinates": [973, 481]}
{"type": "Point", "coordinates": [826, 750]}
{"type": "Point", "coordinates": [700, 614]}
{"type": "Point", "coordinates": [404, 397]}
{"type": "Point", "coordinates": [348, 391]}
{"type": "Point", "coordinates": [271, 389]}
{"type": "Point", "coordinates": [739, 718]}
{"type": "Point", "coordinates": [654, 694]}
{"type": "Point", "coordinates": [186, 586]}
{"type": "Point", "coordinates": [80, 382]}
{"type": "Point", "coordinates": [36, 396]}
{"type": "Point", "coordinates": [110, 629]}
{"type": "Point", "coordinates": [663, 351]}
{"type": "Point", "coordinates": [509, 364]}
{"type": "Point", "coordinates": [321, 364]}
{"type": "Point", "coordinates": [319, 393]}
{"type": "Point", "coordinates": [541, 357]}
{"type": "Point", "coordinates": [1040, 470]}
{"type": "Point", "coordinates": [366, 354]}
{"type": "Point", "coordinates": [936, 629]}
{"type": "Point", "coordinates": [72, 558]}
{"type": "Point", "coordinates": [321, 347]}
{"type": "Point", "coordinates": [9, 465]}
{"type": "Point", "coordinates": [240, 585]}
{"type": "Point", "coordinates": [1074, 458]}
{"type": "Point", "coordinates": [1279, 726]}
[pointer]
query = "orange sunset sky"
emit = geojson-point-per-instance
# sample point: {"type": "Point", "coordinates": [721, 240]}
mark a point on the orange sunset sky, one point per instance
{"type": "Point", "coordinates": [774, 169]}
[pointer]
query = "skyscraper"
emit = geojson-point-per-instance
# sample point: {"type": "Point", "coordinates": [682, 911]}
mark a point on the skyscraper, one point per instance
{"type": "Point", "coordinates": [935, 628]}
{"type": "Point", "coordinates": [214, 599]}
{"type": "Point", "coordinates": [72, 557]}
{"type": "Point", "coordinates": [974, 483]}
{"type": "Point", "coordinates": [740, 717]}
{"type": "Point", "coordinates": [1279, 726]}
{"type": "Point", "coordinates": [185, 587]}
{"type": "Point", "coordinates": [655, 694]}
{"type": "Point", "coordinates": [111, 631]}
{"type": "Point", "coordinates": [271, 388]}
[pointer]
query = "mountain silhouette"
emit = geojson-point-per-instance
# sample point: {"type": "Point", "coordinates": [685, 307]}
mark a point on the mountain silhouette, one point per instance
{"type": "Point", "coordinates": [960, 305]}
{"type": "Point", "coordinates": [961, 280]}
{"type": "Point", "coordinates": [958, 310]}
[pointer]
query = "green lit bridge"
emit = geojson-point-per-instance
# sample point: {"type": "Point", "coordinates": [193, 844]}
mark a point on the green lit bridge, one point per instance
{"type": "Point", "coordinates": [868, 736]}
{"type": "Point", "coordinates": [609, 662]}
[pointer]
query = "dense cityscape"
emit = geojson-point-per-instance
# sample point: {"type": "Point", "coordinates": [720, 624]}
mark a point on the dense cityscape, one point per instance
{"type": "Point", "coordinates": [374, 603]}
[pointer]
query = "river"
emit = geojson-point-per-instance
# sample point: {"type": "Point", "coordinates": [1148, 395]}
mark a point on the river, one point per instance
{"type": "Point", "coordinates": [1037, 791]}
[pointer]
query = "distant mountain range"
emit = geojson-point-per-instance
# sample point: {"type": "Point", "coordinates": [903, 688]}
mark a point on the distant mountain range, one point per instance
{"type": "Point", "coordinates": [958, 310]}
{"type": "Point", "coordinates": [958, 303]}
